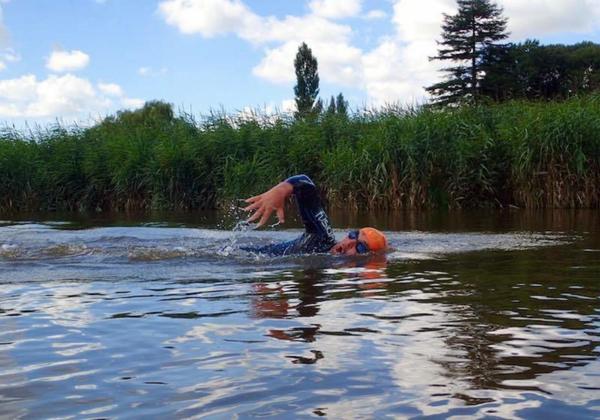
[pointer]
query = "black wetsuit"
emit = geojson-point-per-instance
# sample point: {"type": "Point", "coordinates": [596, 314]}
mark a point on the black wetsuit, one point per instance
{"type": "Point", "coordinates": [318, 236]}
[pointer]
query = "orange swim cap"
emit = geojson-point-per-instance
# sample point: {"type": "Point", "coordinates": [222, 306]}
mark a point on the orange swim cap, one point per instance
{"type": "Point", "coordinates": [374, 238]}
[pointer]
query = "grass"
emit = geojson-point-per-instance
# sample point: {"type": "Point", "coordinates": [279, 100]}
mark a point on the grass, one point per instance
{"type": "Point", "coordinates": [525, 154]}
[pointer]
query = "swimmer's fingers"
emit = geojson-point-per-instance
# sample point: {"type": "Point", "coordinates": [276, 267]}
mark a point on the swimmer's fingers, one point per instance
{"type": "Point", "coordinates": [265, 217]}
{"type": "Point", "coordinates": [263, 213]}
{"type": "Point", "coordinates": [258, 213]}
{"type": "Point", "coordinates": [281, 215]}
{"type": "Point", "coordinates": [252, 206]}
{"type": "Point", "coordinates": [252, 199]}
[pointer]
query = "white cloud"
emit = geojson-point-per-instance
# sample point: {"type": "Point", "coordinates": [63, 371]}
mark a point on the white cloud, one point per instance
{"type": "Point", "coordinates": [418, 26]}
{"type": "Point", "coordinates": [420, 20]}
{"type": "Point", "coordinates": [132, 102]}
{"type": "Point", "coordinates": [272, 109]}
{"type": "Point", "coordinates": [21, 89]}
{"type": "Point", "coordinates": [536, 18]}
{"type": "Point", "coordinates": [56, 95]}
{"type": "Point", "coordinates": [390, 76]}
{"type": "Point", "coordinates": [3, 30]}
{"type": "Point", "coordinates": [288, 105]}
{"type": "Point", "coordinates": [8, 56]}
{"type": "Point", "coordinates": [65, 96]}
{"type": "Point", "coordinates": [207, 17]}
{"type": "Point", "coordinates": [335, 9]}
{"type": "Point", "coordinates": [60, 61]}
{"type": "Point", "coordinates": [311, 29]}
{"type": "Point", "coordinates": [149, 71]}
{"type": "Point", "coordinates": [376, 14]}
{"type": "Point", "coordinates": [329, 41]}
{"type": "Point", "coordinates": [339, 63]}
{"type": "Point", "coordinates": [214, 17]}
{"type": "Point", "coordinates": [397, 68]}
{"type": "Point", "coordinates": [278, 64]}
{"type": "Point", "coordinates": [115, 91]}
{"type": "Point", "coordinates": [533, 18]}
{"type": "Point", "coordinates": [110, 89]}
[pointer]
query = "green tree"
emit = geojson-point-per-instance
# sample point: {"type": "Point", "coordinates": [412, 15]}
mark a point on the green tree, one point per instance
{"type": "Point", "coordinates": [341, 105]}
{"type": "Point", "coordinates": [466, 36]}
{"type": "Point", "coordinates": [317, 107]}
{"type": "Point", "coordinates": [509, 72]}
{"type": "Point", "coordinates": [307, 83]}
{"type": "Point", "coordinates": [331, 108]}
{"type": "Point", "coordinates": [533, 71]}
{"type": "Point", "coordinates": [153, 113]}
{"type": "Point", "coordinates": [337, 106]}
{"type": "Point", "coordinates": [585, 67]}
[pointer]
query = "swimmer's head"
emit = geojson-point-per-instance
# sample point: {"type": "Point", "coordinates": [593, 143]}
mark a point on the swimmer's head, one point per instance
{"type": "Point", "coordinates": [361, 241]}
{"type": "Point", "coordinates": [375, 239]}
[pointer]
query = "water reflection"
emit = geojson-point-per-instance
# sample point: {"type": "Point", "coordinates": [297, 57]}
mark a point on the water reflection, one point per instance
{"type": "Point", "coordinates": [305, 289]}
{"type": "Point", "coordinates": [490, 324]}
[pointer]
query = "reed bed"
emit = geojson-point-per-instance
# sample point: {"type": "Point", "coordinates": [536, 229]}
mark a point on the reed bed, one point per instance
{"type": "Point", "coordinates": [524, 154]}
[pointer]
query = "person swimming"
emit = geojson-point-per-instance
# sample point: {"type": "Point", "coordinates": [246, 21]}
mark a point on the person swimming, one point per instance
{"type": "Point", "coordinates": [318, 236]}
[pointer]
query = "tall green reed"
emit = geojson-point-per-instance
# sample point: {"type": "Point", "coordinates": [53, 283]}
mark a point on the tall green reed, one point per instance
{"type": "Point", "coordinates": [527, 154]}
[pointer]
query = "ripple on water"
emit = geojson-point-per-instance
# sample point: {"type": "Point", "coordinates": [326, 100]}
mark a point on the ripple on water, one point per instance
{"type": "Point", "coordinates": [97, 322]}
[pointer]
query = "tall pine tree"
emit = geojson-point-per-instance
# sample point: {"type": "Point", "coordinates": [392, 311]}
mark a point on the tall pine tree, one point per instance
{"type": "Point", "coordinates": [466, 36]}
{"type": "Point", "coordinates": [307, 83]}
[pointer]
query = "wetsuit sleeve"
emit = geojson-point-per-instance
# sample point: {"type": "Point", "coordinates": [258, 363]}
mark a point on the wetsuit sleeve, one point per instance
{"type": "Point", "coordinates": [309, 205]}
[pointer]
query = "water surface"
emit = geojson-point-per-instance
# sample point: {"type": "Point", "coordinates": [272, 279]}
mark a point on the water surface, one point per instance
{"type": "Point", "coordinates": [479, 314]}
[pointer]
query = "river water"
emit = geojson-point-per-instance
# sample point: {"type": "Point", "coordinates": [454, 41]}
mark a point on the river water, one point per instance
{"type": "Point", "coordinates": [472, 314]}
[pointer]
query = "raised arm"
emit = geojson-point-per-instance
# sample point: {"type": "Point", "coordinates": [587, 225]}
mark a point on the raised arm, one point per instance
{"type": "Point", "coordinates": [309, 205]}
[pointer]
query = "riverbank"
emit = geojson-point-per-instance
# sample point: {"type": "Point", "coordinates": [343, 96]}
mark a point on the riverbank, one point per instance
{"type": "Point", "coordinates": [523, 154]}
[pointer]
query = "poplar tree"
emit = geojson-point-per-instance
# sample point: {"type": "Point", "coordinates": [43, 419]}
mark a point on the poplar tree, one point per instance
{"type": "Point", "coordinates": [338, 105]}
{"type": "Point", "coordinates": [307, 83]}
{"type": "Point", "coordinates": [341, 105]}
{"type": "Point", "coordinates": [331, 108]}
{"type": "Point", "coordinates": [466, 36]}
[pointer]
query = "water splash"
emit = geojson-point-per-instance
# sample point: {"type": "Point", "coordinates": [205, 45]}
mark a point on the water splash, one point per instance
{"type": "Point", "coordinates": [277, 223]}
{"type": "Point", "coordinates": [238, 231]}
{"type": "Point", "coordinates": [235, 211]}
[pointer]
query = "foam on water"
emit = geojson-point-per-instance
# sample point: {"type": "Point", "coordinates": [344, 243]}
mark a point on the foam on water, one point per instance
{"type": "Point", "coordinates": [44, 241]}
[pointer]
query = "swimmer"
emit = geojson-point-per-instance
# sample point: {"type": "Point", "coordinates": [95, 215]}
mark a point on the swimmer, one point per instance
{"type": "Point", "coordinates": [318, 236]}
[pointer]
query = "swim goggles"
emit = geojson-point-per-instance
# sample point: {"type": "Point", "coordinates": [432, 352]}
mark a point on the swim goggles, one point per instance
{"type": "Point", "coordinates": [361, 247]}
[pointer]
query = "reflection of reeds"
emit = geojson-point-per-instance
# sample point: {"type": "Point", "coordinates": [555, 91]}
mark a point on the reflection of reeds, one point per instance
{"type": "Point", "coordinates": [521, 153]}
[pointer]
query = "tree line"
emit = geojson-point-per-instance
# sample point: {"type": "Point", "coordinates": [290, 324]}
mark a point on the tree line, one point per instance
{"type": "Point", "coordinates": [481, 66]}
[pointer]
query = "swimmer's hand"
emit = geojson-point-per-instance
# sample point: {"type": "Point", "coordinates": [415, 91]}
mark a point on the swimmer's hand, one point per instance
{"type": "Point", "coordinates": [265, 204]}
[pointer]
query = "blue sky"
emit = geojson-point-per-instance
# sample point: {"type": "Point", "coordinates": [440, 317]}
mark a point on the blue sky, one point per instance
{"type": "Point", "coordinates": [81, 59]}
